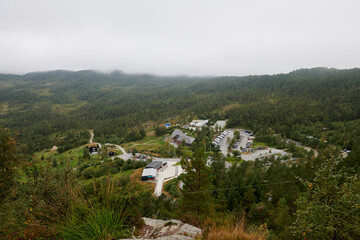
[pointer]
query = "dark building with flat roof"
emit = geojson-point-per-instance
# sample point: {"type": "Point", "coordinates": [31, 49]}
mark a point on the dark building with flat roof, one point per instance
{"type": "Point", "coordinates": [154, 164]}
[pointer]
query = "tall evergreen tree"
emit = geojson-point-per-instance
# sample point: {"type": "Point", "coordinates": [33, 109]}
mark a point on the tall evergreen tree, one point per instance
{"type": "Point", "coordinates": [198, 188]}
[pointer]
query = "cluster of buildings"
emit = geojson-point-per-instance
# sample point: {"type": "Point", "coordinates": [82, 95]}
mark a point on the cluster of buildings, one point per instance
{"type": "Point", "coordinates": [95, 148]}
{"type": "Point", "coordinates": [178, 137]}
{"type": "Point", "coordinates": [198, 124]}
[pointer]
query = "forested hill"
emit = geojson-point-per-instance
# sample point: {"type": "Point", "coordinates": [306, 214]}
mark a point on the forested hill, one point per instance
{"type": "Point", "coordinates": [45, 107]}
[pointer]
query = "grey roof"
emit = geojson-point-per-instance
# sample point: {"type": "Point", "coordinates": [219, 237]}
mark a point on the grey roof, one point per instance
{"type": "Point", "coordinates": [180, 136]}
{"type": "Point", "coordinates": [154, 164]}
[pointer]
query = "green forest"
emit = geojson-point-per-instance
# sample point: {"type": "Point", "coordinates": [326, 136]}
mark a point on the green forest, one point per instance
{"type": "Point", "coordinates": [45, 108]}
{"type": "Point", "coordinates": [50, 196]}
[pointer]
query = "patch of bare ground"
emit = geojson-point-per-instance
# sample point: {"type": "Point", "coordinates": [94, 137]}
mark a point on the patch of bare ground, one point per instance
{"type": "Point", "coordinates": [152, 133]}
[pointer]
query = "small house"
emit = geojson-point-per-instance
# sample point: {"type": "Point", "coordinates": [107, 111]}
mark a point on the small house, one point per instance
{"type": "Point", "coordinates": [178, 137]}
{"type": "Point", "coordinates": [111, 154]}
{"type": "Point", "coordinates": [92, 150]}
{"type": "Point", "coordinates": [148, 174]}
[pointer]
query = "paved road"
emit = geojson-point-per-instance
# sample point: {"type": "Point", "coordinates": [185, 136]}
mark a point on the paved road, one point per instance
{"type": "Point", "coordinates": [169, 172]}
{"type": "Point", "coordinates": [165, 174]}
{"type": "Point", "coordinates": [262, 153]}
{"type": "Point", "coordinates": [124, 156]}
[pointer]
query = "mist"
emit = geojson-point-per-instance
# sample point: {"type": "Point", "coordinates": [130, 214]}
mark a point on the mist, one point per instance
{"type": "Point", "coordinates": [179, 37]}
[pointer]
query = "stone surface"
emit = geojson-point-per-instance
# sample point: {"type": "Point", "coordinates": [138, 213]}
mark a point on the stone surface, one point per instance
{"type": "Point", "coordinates": [189, 230]}
{"type": "Point", "coordinates": [171, 237]}
{"type": "Point", "coordinates": [167, 230]}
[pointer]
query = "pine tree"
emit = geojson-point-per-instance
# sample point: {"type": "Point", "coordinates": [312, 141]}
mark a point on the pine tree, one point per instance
{"type": "Point", "coordinates": [198, 188]}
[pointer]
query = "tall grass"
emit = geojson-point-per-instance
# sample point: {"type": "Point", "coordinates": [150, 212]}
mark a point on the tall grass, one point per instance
{"type": "Point", "coordinates": [236, 232]}
{"type": "Point", "coordinates": [100, 217]}
{"type": "Point", "coordinates": [229, 228]}
{"type": "Point", "coordinates": [103, 223]}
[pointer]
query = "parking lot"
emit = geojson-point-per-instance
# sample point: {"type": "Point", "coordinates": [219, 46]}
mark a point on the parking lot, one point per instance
{"type": "Point", "coordinates": [245, 137]}
{"type": "Point", "coordinates": [223, 145]}
{"type": "Point", "coordinates": [223, 142]}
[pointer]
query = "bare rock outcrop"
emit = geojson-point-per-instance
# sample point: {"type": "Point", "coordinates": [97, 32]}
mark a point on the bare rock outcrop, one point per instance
{"type": "Point", "coordinates": [167, 230]}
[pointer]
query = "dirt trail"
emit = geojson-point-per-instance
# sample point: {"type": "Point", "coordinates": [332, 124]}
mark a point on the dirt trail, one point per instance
{"type": "Point", "coordinates": [92, 136]}
{"type": "Point", "coordinates": [309, 149]}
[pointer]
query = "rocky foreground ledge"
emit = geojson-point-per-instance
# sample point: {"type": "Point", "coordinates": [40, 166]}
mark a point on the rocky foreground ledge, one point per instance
{"type": "Point", "coordinates": [167, 230]}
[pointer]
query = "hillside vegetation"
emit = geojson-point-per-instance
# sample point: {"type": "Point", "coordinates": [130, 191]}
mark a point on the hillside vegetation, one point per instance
{"type": "Point", "coordinates": [46, 108]}
{"type": "Point", "coordinates": [310, 193]}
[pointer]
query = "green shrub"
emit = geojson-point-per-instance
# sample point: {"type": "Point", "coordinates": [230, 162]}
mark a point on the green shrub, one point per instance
{"type": "Point", "coordinates": [172, 187]}
{"type": "Point", "coordinates": [140, 164]}
{"type": "Point", "coordinates": [88, 172]}
{"type": "Point", "coordinates": [119, 162]}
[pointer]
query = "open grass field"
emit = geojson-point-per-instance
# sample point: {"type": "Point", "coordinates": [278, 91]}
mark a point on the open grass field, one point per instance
{"type": "Point", "coordinates": [258, 144]}
{"type": "Point", "coordinates": [147, 140]}
{"type": "Point", "coordinates": [68, 157]}
{"type": "Point", "coordinates": [151, 145]}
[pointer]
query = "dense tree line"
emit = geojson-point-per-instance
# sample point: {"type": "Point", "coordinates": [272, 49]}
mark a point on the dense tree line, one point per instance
{"type": "Point", "coordinates": [303, 198]}
{"type": "Point", "coordinates": [320, 102]}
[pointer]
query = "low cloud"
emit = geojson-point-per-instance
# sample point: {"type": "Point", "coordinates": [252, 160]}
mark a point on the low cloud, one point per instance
{"type": "Point", "coordinates": [178, 37]}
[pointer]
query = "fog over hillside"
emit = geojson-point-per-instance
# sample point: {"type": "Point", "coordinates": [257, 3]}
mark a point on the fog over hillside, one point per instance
{"type": "Point", "coordinates": [179, 37]}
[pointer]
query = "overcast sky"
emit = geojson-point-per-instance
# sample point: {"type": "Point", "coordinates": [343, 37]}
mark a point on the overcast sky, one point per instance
{"type": "Point", "coordinates": [168, 37]}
